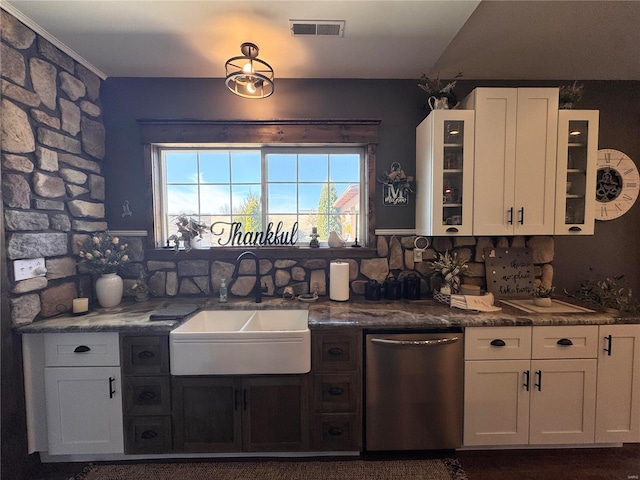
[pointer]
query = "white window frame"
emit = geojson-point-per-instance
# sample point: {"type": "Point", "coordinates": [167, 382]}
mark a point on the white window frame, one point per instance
{"type": "Point", "coordinates": [162, 222]}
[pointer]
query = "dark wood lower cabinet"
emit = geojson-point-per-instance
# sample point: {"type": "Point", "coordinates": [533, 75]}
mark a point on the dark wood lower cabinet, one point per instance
{"type": "Point", "coordinates": [223, 414]}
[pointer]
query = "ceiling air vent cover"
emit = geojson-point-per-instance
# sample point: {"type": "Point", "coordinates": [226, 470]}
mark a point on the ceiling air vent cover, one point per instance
{"type": "Point", "coordinates": [328, 28]}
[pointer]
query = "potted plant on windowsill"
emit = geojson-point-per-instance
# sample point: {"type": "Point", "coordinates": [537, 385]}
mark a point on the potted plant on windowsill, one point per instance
{"type": "Point", "coordinates": [542, 295]}
{"type": "Point", "coordinates": [189, 231]}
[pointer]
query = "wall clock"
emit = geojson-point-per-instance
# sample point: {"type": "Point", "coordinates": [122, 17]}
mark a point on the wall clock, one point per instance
{"type": "Point", "coordinates": [617, 184]}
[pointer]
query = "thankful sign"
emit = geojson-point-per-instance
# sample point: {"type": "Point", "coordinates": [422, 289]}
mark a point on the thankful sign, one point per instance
{"type": "Point", "coordinates": [509, 271]}
{"type": "Point", "coordinates": [231, 234]}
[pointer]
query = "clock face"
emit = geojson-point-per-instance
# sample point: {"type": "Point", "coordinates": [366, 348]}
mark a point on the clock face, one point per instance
{"type": "Point", "coordinates": [617, 184]}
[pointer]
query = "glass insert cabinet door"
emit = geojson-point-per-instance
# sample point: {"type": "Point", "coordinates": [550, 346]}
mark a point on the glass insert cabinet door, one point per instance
{"type": "Point", "coordinates": [444, 173]}
{"type": "Point", "coordinates": [576, 172]}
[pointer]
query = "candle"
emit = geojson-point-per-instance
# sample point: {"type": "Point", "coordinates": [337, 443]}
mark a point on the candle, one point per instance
{"type": "Point", "coordinates": [80, 305]}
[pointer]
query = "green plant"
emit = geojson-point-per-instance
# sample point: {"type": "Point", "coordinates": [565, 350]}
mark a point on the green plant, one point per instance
{"type": "Point", "coordinates": [446, 263]}
{"type": "Point", "coordinates": [540, 291]}
{"type": "Point", "coordinates": [608, 292]}
{"type": "Point", "coordinates": [188, 227]}
{"type": "Point", "coordinates": [103, 253]}
{"type": "Point", "coordinates": [570, 93]}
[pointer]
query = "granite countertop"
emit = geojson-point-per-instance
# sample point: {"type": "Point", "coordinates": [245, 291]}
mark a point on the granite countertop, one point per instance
{"type": "Point", "coordinates": [133, 317]}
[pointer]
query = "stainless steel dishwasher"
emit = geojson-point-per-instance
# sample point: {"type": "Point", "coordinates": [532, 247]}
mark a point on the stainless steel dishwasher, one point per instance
{"type": "Point", "coordinates": [413, 390]}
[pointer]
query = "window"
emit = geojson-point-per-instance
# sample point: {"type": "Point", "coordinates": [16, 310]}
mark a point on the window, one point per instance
{"type": "Point", "coordinates": [256, 189]}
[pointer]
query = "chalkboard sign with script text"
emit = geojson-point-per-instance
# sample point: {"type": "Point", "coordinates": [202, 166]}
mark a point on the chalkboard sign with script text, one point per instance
{"type": "Point", "coordinates": [509, 272]}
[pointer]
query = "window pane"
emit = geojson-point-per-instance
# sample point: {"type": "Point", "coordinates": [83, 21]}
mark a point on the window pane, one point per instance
{"type": "Point", "coordinates": [214, 167]}
{"type": "Point", "coordinates": [245, 167]}
{"type": "Point", "coordinates": [313, 168]}
{"type": "Point", "coordinates": [309, 196]}
{"type": "Point", "coordinates": [181, 167]}
{"type": "Point", "coordinates": [246, 200]}
{"type": "Point", "coordinates": [215, 199]}
{"type": "Point", "coordinates": [285, 230]}
{"type": "Point", "coordinates": [348, 199]}
{"type": "Point", "coordinates": [345, 168]}
{"type": "Point", "coordinates": [282, 198]}
{"type": "Point", "coordinates": [182, 199]}
{"type": "Point", "coordinates": [282, 168]}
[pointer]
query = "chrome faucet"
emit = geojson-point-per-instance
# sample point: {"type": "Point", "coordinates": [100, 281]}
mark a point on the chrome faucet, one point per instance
{"type": "Point", "coordinates": [257, 287]}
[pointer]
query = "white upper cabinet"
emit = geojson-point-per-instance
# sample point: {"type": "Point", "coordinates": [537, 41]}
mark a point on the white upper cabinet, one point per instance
{"type": "Point", "coordinates": [576, 171]}
{"type": "Point", "coordinates": [444, 173]}
{"type": "Point", "coordinates": [515, 160]}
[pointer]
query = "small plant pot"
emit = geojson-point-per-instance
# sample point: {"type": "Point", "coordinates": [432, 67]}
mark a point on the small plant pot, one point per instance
{"type": "Point", "coordinates": [542, 301]}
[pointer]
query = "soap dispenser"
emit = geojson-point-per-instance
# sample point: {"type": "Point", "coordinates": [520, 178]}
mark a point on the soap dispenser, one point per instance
{"type": "Point", "coordinates": [223, 291]}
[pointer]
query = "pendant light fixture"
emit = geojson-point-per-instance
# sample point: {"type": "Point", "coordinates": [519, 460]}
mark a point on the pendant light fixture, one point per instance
{"type": "Point", "coordinates": [247, 75]}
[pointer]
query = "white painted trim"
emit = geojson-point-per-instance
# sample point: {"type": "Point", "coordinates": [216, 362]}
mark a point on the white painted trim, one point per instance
{"type": "Point", "coordinates": [129, 233]}
{"type": "Point", "coordinates": [395, 231]}
{"type": "Point", "coordinates": [50, 38]}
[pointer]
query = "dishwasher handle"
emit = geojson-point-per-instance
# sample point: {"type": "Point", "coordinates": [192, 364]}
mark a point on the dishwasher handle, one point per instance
{"type": "Point", "coordinates": [415, 343]}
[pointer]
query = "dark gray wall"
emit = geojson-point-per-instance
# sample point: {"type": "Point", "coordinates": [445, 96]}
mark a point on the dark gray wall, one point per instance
{"type": "Point", "coordinates": [613, 250]}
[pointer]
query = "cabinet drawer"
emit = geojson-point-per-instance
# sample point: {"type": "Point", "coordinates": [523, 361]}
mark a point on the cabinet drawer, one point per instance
{"type": "Point", "coordinates": [336, 432]}
{"type": "Point", "coordinates": [81, 349]}
{"type": "Point", "coordinates": [497, 343]}
{"type": "Point", "coordinates": [147, 435]}
{"type": "Point", "coordinates": [336, 393]}
{"type": "Point", "coordinates": [334, 352]}
{"type": "Point", "coordinates": [576, 341]}
{"type": "Point", "coordinates": [145, 355]}
{"type": "Point", "coordinates": [147, 396]}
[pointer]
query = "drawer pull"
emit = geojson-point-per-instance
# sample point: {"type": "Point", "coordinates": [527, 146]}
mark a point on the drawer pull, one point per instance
{"type": "Point", "coordinates": [81, 349]}
{"type": "Point", "coordinates": [335, 351]}
{"type": "Point", "coordinates": [498, 343]}
{"type": "Point", "coordinates": [146, 395]}
{"type": "Point", "coordinates": [565, 342]}
{"type": "Point", "coordinates": [148, 434]}
{"type": "Point", "coordinates": [335, 431]}
{"type": "Point", "coordinates": [145, 354]}
{"type": "Point", "coordinates": [452, 230]}
{"type": "Point", "coordinates": [335, 391]}
{"type": "Point", "coordinates": [575, 229]}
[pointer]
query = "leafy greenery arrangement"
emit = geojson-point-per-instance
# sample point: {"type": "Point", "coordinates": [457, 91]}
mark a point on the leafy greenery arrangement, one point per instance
{"type": "Point", "coordinates": [104, 253]}
{"type": "Point", "coordinates": [540, 291]}
{"type": "Point", "coordinates": [189, 227]}
{"type": "Point", "coordinates": [435, 88]}
{"type": "Point", "coordinates": [449, 263]}
{"type": "Point", "coordinates": [608, 292]}
{"type": "Point", "coordinates": [569, 95]}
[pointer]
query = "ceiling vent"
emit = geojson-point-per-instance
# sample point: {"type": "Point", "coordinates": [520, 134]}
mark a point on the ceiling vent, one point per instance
{"type": "Point", "coordinates": [317, 28]}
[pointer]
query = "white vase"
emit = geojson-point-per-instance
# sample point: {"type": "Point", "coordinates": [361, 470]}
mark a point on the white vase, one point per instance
{"type": "Point", "coordinates": [542, 301]}
{"type": "Point", "coordinates": [196, 243]}
{"type": "Point", "coordinates": [109, 290]}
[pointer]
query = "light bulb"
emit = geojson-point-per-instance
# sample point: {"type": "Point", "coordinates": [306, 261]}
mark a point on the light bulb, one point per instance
{"type": "Point", "coordinates": [248, 68]}
{"type": "Point", "coordinates": [251, 88]}
{"type": "Point", "coordinates": [575, 133]}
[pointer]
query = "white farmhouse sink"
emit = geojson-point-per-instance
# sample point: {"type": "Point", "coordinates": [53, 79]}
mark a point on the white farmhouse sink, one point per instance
{"type": "Point", "coordinates": [242, 342]}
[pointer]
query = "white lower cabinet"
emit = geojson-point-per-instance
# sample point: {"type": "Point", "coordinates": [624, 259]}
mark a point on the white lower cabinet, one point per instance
{"type": "Point", "coordinates": [618, 397]}
{"type": "Point", "coordinates": [514, 399]}
{"type": "Point", "coordinates": [75, 378]}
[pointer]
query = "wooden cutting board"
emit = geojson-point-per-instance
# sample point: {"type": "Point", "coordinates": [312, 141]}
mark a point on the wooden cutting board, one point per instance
{"type": "Point", "coordinates": [509, 272]}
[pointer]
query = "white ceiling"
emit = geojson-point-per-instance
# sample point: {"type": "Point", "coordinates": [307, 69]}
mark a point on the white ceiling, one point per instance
{"type": "Point", "coordinates": [383, 39]}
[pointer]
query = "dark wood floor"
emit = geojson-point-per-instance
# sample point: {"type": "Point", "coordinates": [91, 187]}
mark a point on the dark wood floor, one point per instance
{"type": "Point", "coordinates": [621, 463]}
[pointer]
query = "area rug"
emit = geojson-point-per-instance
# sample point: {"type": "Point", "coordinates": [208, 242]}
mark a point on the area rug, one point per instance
{"type": "Point", "coordinates": [428, 469]}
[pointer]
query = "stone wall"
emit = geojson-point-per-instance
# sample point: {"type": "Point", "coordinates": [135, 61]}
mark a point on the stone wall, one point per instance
{"type": "Point", "coordinates": [394, 256]}
{"type": "Point", "coordinates": [53, 146]}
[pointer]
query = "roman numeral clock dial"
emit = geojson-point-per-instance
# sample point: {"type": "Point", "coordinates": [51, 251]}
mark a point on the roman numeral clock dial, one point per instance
{"type": "Point", "coordinates": [617, 184]}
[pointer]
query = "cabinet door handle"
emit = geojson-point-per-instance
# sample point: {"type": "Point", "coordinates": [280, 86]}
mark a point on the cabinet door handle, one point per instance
{"type": "Point", "coordinates": [335, 391]}
{"type": "Point", "coordinates": [539, 384]}
{"type": "Point", "coordinates": [145, 354]}
{"type": "Point", "coordinates": [112, 390]}
{"type": "Point", "coordinates": [335, 431]}
{"type": "Point", "coordinates": [81, 349]}
{"type": "Point", "coordinates": [564, 342]}
{"type": "Point", "coordinates": [148, 434]}
{"type": "Point", "coordinates": [526, 380]}
{"type": "Point", "coordinates": [147, 395]}
{"type": "Point", "coordinates": [452, 230]}
{"type": "Point", "coordinates": [498, 342]}
{"type": "Point", "coordinates": [609, 340]}
{"type": "Point", "coordinates": [235, 399]}
{"type": "Point", "coordinates": [335, 351]}
{"type": "Point", "coordinates": [521, 221]}
{"type": "Point", "coordinates": [575, 229]}
{"type": "Point", "coordinates": [510, 219]}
